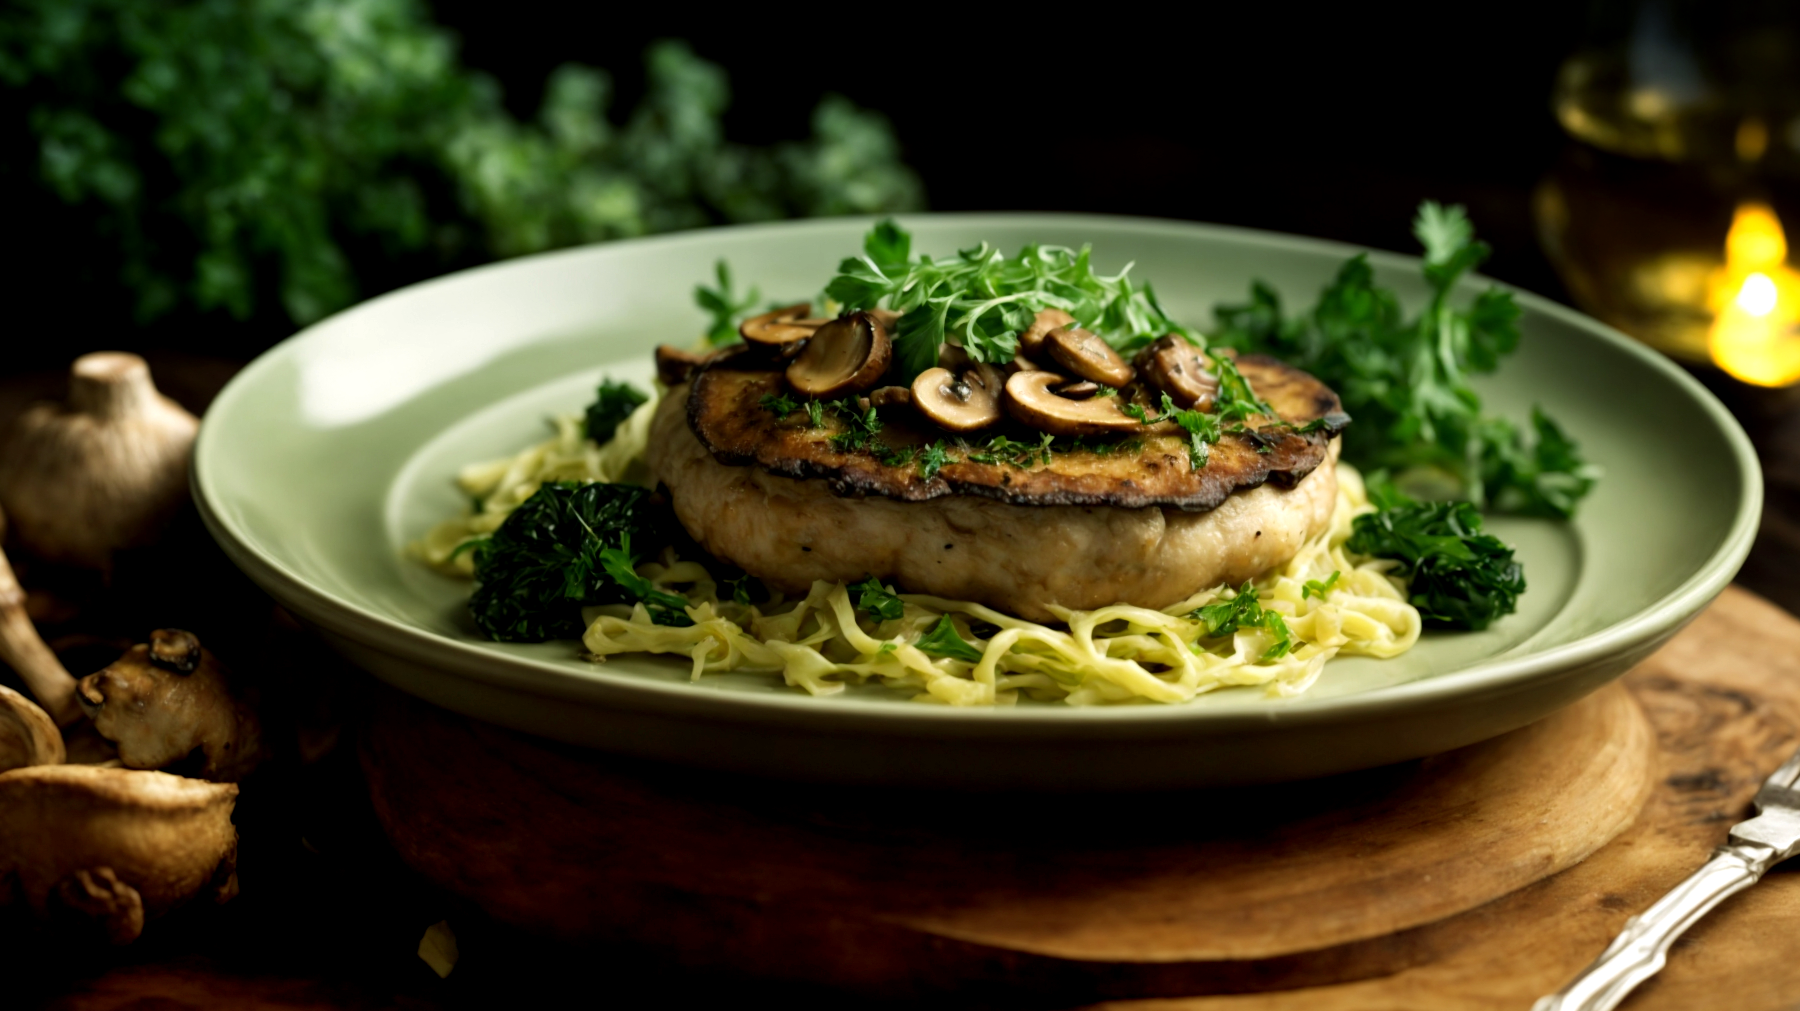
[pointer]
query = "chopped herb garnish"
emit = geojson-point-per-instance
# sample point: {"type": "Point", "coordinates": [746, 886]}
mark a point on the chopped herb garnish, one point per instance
{"type": "Point", "coordinates": [781, 406]}
{"type": "Point", "coordinates": [725, 308]}
{"type": "Point", "coordinates": [613, 403]}
{"type": "Point", "coordinates": [942, 640]}
{"type": "Point", "coordinates": [815, 413]}
{"type": "Point", "coordinates": [932, 460]}
{"type": "Point", "coordinates": [1457, 575]}
{"type": "Point", "coordinates": [1226, 617]}
{"type": "Point", "coordinates": [877, 601]}
{"type": "Point", "coordinates": [1319, 588]}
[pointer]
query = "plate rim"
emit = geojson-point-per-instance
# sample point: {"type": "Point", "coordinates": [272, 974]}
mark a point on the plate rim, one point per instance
{"type": "Point", "coordinates": [1499, 675]}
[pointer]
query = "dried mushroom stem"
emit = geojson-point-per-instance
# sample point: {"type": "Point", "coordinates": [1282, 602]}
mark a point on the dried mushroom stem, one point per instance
{"type": "Point", "coordinates": [27, 734]}
{"type": "Point", "coordinates": [22, 649]}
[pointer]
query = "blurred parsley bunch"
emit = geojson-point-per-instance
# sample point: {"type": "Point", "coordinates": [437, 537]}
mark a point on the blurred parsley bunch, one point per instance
{"type": "Point", "coordinates": [242, 155]}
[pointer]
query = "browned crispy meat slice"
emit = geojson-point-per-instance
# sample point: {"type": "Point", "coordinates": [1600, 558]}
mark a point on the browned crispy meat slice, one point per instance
{"type": "Point", "coordinates": [725, 413]}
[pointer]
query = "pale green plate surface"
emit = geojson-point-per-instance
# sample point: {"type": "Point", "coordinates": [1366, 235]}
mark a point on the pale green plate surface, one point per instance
{"type": "Point", "coordinates": [324, 457]}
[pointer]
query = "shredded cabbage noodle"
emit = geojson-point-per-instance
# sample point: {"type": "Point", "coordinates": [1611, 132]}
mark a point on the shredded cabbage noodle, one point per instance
{"type": "Point", "coordinates": [822, 644]}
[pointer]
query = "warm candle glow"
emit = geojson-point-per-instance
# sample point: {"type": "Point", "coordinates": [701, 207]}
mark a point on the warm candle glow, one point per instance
{"type": "Point", "coordinates": [1757, 300]}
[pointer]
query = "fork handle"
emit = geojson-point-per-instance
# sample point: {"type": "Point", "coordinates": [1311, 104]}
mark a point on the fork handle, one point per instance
{"type": "Point", "coordinates": [1642, 948]}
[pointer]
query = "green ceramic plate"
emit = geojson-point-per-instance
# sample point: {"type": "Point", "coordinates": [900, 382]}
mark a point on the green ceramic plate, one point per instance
{"type": "Point", "coordinates": [324, 457]}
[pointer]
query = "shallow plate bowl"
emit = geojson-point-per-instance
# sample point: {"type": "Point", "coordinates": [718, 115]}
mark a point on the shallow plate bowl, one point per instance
{"type": "Point", "coordinates": [326, 456]}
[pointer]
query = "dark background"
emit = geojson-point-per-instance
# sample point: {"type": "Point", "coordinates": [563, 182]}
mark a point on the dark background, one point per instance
{"type": "Point", "coordinates": [1331, 122]}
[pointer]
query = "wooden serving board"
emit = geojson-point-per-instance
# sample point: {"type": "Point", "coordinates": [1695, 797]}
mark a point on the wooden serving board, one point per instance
{"type": "Point", "coordinates": [1477, 879]}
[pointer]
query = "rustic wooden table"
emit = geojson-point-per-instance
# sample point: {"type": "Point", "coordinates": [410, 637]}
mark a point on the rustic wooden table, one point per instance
{"type": "Point", "coordinates": [330, 916]}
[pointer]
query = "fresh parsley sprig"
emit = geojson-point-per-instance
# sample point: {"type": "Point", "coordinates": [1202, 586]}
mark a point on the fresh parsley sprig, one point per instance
{"type": "Point", "coordinates": [981, 299]}
{"type": "Point", "coordinates": [725, 308]}
{"type": "Point", "coordinates": [1407, 382]}
{"type": "Point", "coordinates": [877, 601]}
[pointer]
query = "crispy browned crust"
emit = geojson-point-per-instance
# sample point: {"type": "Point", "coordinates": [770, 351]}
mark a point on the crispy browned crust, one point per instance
{"type": "Point", "coordinates": [725, 413]}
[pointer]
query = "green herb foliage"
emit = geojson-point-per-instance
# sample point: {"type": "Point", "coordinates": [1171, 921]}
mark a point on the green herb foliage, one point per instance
{"type": "Point", "coordinates": [942, 640]}
{"type": "Point", "coordinates": [1407, 382]}
{"type": "Point", "coordinates": [559, 552]}
{"type": "Point", "coordinates": [1457, 575]}
{"type": "Point", "coordinates": [665, 608]}
{"type": "Point", "coordinates": [780, 405]}
{"type": "Point", "coordinates": [725, 308]}
{"type": "Point", "coordinates": [981, 299]}
{"type": "Point", "coordinates": [280, 159]}
{"type": "Point", "coordinates": [932, 460]}
{"type": "Point", "coordinates": [613, 403]}
{"type": "Point", "coordinates": [877, 601]}
{"type": "Point", "coordinates": [1225, 617]}
{"type": "Point", "coordinates": [1319, 587]}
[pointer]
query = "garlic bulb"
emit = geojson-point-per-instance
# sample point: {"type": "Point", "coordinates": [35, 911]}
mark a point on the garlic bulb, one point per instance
{"type": "Point", "coordinates": [105, 471]}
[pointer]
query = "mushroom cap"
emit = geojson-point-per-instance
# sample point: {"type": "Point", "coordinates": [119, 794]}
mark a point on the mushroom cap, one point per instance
{"type": "Point", "coordinates": [1176, 367]}
{"type": "Point", "coordinates": [164, 835]}
{"type": "Point", "coordinates": [960, 403]}
{"type": "Point", "coordinates": [890, 396]}
{"type": "Point", "coordinates": [27, 734]}
{"type": "Point", "coordinates": [1028, 398]}
{"type": "Point", "coordinates": [157, 714]}
{"type": "Point", "coordinates": [780, 326]}
{"type": "Point", "coordinates": [846, 355]}
{"type": "Point", "coordinates": [1031, 340]}
{"type": "Point", "coordinates": [1085, 354]}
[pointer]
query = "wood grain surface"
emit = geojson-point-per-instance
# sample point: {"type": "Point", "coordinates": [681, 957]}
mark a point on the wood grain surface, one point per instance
{"type": "Point", "coordinates": [1341, 887]}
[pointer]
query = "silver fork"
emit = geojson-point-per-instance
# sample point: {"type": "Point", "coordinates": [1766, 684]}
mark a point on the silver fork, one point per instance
{"type": "Point", "coordinates": [1642, 948]}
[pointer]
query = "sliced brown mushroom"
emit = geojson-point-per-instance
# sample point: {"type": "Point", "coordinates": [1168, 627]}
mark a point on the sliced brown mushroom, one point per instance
{"type": "Point", "coordinates": [27, 734]}
{"type": "Point", "coordinates": [781, 326]}
{"type": "Point", "coordinates": [961, 402]}
{"type": "Point", "coordinates": [846, 355]}
{"type": "Point", "coordinates": [1176, 367]}
{"type": "Point", "coordinates": [164, 699]}
{"type": "Point", "coordinates": [891, 396]}
{"type": "Point", "coordinates": [1085, 354]}
{"type": "Point", "coordinates": [22, 649]}
{"type": "Point", "coordinates": [1028, 398]}
{"type": "Point", "coordinates": [114, 847]}
{"type": "Point", "coordinates": [1031, 341]}
{"type": "Point", "coordinates": [674, 365]}
{"type": "Point", "coordinates": [1079, 390]}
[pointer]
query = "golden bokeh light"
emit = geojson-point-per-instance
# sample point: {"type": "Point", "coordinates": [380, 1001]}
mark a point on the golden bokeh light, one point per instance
{"type": "Point", "coordinates": [1756, 299]}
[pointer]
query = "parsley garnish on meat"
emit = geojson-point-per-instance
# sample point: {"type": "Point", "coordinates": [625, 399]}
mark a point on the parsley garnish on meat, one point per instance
{"type": "Point", "coordinates": [942, 640]}
{"type": "Point", "coordinates": [932, 459]}
{"type": "Point", "coordinates": [613, 403]}
{"type": "Point", "coordinates": [981, 299]}
{"type": "Point", "coordinates": [1457, 575]}
{"type": "Point", "coordinates": [1406, 382]}
{"type": "Point", "coordinates": [568, 547]}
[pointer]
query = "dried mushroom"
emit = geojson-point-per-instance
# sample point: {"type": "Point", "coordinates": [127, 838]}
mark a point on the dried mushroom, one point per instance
{"type": "Point", "coordinates": [782, 326]}
{"type": "Point", "coordinates": [22, 649]}
{"type": "Point", "coordinates": [116, 847]}
{"type": "Point", "coordinates": [27, 734]}
{"type": "Point", "coordinates": [1178, 368]}
{"type": "Point", "coordinates": [107, 470]}
{"type": "Point", "coordinates": [846, 355]}
{"type": "Point", "coordinates": [1030, 400]}
{"type": "Point", "coordinates": [962, 402]}
{"type": "Point", "coordinates": [163, 700]}
{"type": "Point", "coordinates": [1084, 353]}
